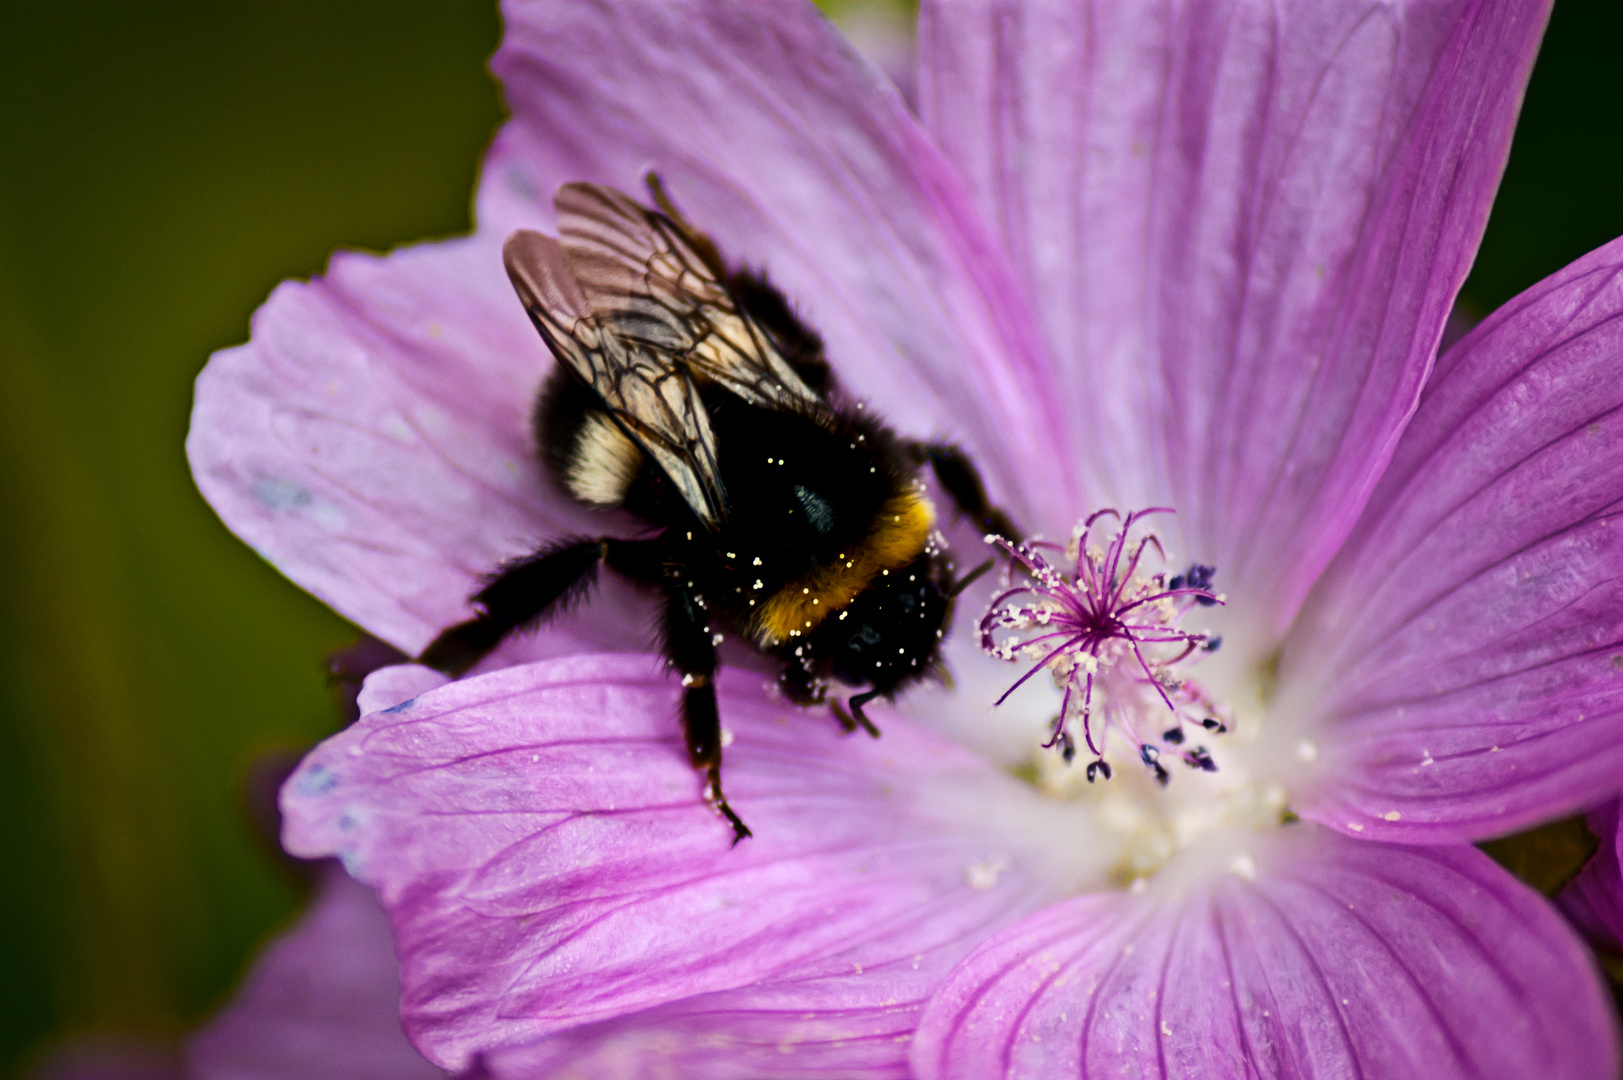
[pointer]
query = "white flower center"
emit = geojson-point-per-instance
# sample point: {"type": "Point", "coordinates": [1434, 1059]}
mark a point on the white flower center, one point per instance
{"type": "Point", "coordinates": [1106, 624]}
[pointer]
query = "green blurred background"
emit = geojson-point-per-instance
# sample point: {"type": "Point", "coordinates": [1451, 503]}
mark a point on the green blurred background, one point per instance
{"type": "Point", "coordinates": [162, 166]}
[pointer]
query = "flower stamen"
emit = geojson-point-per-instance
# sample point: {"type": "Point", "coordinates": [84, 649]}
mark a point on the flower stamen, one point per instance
{"type": "Point", "coordinates": [1109, 634]}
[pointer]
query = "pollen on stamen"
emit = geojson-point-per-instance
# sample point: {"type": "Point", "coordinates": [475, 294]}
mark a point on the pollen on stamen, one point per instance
{"type": "Point", "coordinates": [1107, 628]}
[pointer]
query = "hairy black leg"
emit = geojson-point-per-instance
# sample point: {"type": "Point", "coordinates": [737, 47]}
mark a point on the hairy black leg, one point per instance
{"type": "Point", "coordinates": [521, 592]}
{"type": "Point", "coordinates": [692, 651]}
{"type": "Point", "coordinates": [962, 482]}
{"type": "Point", "coordinates": [526, 590]}
{"type": "Point", "coordinates": [639, 560]}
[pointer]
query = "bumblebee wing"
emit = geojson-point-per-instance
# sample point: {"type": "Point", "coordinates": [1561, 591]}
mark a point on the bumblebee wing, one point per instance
{"type": "Point", "coordinates": [646, 282]}
{"type": "Point", "coordinates": [652, 398]}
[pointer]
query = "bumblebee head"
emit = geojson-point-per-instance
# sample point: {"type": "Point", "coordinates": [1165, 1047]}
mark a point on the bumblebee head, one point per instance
{"type": "Point", "coordinates": [890, 634]}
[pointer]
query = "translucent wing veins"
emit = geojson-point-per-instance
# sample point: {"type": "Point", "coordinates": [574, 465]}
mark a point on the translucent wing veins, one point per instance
{"type": "Point", "coordinates": [637, 313]}
{"type": "Point", "coordinates": [654, 401]}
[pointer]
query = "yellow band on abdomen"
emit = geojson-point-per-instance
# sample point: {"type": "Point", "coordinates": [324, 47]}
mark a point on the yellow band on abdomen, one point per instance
{"type": "Point", "coordinates": [899, 535]}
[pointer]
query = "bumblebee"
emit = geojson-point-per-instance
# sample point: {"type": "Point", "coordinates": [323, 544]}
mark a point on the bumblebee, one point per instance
{"type": "Point", "coordinates": [690, 394]}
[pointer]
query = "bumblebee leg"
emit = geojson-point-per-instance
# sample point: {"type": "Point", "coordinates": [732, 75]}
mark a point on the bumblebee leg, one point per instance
{"type": "Point", "coordinates": [347, 669]}
{"type": "Point", "coordinates": [854, 718]}
{"type": "Point", "coordinates": [639, 560]}
{"type": "Point", "coordinates": [857, 700]}
{"type": "Point", "coordinates": [692, 652]}
{"type": "Point", "coordinates": [528, 589]}
{"type": "Point", "coordinates": [800, 687]}
{"type": "Point", "coordinates": [960, 479]}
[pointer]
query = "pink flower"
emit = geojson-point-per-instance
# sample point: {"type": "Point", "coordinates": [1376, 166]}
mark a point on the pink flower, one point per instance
{"type": "Point", "coordinates": [1135, 255]}
{"type": "Point", "coordinates": [321, 1002]}
{"type": "Point", "coordinates": [1594, 899]}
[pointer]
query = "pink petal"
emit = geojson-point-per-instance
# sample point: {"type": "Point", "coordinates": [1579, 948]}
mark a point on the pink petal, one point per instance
{"type": "Point", "coordinates": [773, 135]}
{"type": "Point", "coordinates": [1244, 225]}
{"type": "Point", "coordinates": [1594, 899]}
{"type": "Point", "coordinates": [1464, 656]}
{"type": "Point", "coordinates": [833, 1027]}
{"type": "Point", "coordinates": [1336, 958]}
{"type": "Point", "coordinates": [390, 686]}
{"type": "Point", "coordinates": [372, 440]}
{"type": "Point", "coordinates": [539, 841]}
{"type": "Point", "coordinates": [323, 1000]}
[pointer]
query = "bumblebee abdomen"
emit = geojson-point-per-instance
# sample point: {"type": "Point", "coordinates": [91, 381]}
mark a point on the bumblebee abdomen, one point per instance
{"type": "Point", "coordinates": [891, 633]}
{"type": "Point", "coordinates": [602, 463]}
{"type": "Point", "coordinates": [819, 507]}
{"type": "Point", "coordinates": [589, 456]}
{"type": "Point", "coordinates": [897, 535]}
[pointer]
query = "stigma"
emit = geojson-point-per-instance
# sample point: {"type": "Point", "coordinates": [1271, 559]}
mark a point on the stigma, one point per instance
{"type": "Point", "coordinates": [1102, 617]}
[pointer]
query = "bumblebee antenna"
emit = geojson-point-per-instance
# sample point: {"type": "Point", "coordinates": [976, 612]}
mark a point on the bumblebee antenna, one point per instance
{"type": "Point", "coordinates": [956, 587]}
{"type": "Point", "coordinates": [701, 243]}
{"type": "Point", "coordinates": [662, 198]}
